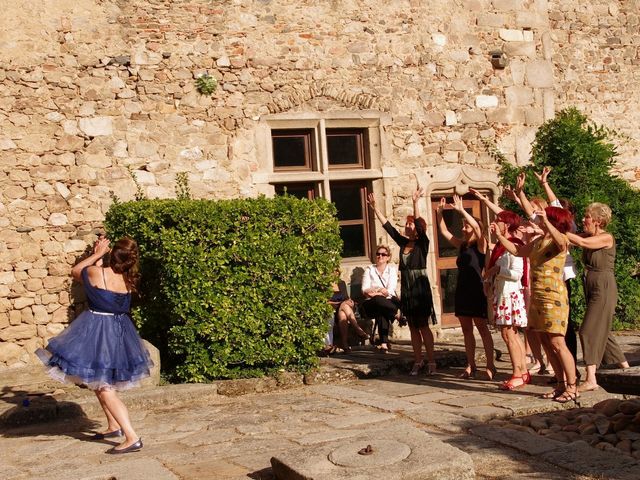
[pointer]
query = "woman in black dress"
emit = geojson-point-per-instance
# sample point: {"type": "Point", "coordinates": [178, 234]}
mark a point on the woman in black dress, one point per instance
{"type": "Point", "coordinates": [416, 297]}
{"type": "Point", "coordinates": [470, 300]}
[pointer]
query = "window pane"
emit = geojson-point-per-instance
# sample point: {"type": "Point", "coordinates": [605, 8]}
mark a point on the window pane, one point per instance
{"type": "Point", "coordinates": [344, 147]}
{"type": "Point", "coordinates": [353, 241]}
{"type": "Point", "coordinates": [291, 149]}
{"type": "Point", "coordinates": [298, 190]}
{"type": "Point", "coordinates": [348, 200]}
{"type": "Point", "coordinates": [448, 279]}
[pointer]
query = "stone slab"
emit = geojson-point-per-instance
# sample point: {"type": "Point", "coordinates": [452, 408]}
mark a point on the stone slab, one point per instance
{"type": "Point", "coordinates": [523, 441]}
{"type": "Point", "coordinates": [212, 469]}
{"type": "Point", "coordinates": [581, 458]}
{"type": "Point", "coordinates": [120, 468]}
{"type": "Point", "coordinates": [483, 413]}
{"type": "Point", "coordinates": [364, 398]}
{"type": "Point", "coordinates": [440, 420]}
{"type": "Point", "coordinates": [621, 380]}
{"type": "Point", "coordinates": [412, 455]}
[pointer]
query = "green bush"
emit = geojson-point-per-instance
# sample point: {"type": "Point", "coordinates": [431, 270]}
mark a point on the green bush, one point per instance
{"type": "Point", "coordinates": [581, 155]}
{"type": "Point", "coordinates": [234, 288]}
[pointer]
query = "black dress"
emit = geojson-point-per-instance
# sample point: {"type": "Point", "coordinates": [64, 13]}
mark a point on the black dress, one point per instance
{"type": "Point", "coordinates": [470, 299]}
{"type": "Point", "coordinates": [416, 296]}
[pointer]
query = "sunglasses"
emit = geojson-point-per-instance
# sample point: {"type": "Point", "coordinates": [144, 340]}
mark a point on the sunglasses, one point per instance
{"type": "Point", "coordinates": [381, 254]}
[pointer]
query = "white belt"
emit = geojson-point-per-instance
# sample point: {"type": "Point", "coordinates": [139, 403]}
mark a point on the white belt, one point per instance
{"type": "Point", "coordinates": [102, 313]}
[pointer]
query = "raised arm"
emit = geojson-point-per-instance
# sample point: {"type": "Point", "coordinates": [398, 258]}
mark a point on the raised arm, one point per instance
{"type": "Point", "coordinates": [100, 248]}
{"type": "Point", "coordinates": [595, 242]}
{"type": "Point", "coordinates": [484, 199]}
{"type": "Point", "coordinates": [519, 190]}
{"type": "Point", "coordinates": [560, 239]}
{"type": "Point", "coordinates": [371, 201]}
{"type": "Point", "coordinates": [512, 248]}
{"type": "Point", "coordinates": [442, 226]}
{"type": "Point", "coordinates": [419, 192]}
{"type": "Point", "coordinates": [511, 195]}
{"type": "Point", "coordinates": [542, 178]}
{"type": "Point", "coordinates": [458, 205]}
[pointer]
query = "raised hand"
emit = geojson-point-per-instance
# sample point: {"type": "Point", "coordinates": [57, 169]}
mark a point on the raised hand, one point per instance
{"type": "Point", "coordinates": [457, 202]}
{"type": "Point", "coordinates": [371, 200]}
{"type": "Point", "coordinates": [522, 177]}
{"type": "Point", "coordinates": [419, 192]}
{"type": "Point", "coordinates": [542, 177]}
{"type": "Point", "coordinates": [101, 246]}
{"type": "Point", "coordinates": [442, 204]}
{"type": "Point", "coordinates": [510, 193]}
{"type": "Point", "coordinates": [477, 194]}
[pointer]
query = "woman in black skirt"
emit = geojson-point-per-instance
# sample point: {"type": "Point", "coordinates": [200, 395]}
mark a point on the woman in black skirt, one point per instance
{"type": "Point", "coordinates": [416, 297]}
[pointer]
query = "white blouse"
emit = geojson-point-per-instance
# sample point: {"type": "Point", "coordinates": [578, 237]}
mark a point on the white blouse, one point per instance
{"type": "Point", "coordinates": [509, 277]}
{"type": "Point", "coordinates": [387, 279]}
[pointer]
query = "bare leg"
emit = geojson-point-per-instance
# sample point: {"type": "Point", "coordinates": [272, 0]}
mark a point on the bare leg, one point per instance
{"type": "Point", "coordinates": [566, 361]}
{"type": "Point", "coordinates": [427, 337]}
{"type": "Point", "coordinates": [112, 425]}
{"type": "Point", "coordinates": [110, 399]}
{"type": "Point", "coordinates": [487, 342]}
{"type": "Point", "coordinates": [590, 383]}
{"type": "Point", "coordinates": [469, 344]}
{"type": "Point", "coordinates": [516, 349]}
{"type": "Point", "coordinates": [533, 340]}
{"type": "Point", "coordinates": [416, 344]}
{"type": "Point", "coordinates": [343, 326]}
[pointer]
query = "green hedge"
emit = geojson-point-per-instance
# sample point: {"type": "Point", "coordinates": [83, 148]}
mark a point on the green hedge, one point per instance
{"type": "Point", "coordinates": [581, 155]}
{"type": "Point", "coordinates": [233, 288]}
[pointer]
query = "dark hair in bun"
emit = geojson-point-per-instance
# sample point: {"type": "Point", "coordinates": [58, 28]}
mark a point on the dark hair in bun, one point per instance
{"type": "Point", "coordinates": [124, 259]}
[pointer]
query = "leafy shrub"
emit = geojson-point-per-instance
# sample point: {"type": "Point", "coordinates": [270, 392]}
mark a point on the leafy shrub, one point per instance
{"type": "Point", "coordinates": [232, 288]}
{"type": "Point", "coordinates": [581, 155]}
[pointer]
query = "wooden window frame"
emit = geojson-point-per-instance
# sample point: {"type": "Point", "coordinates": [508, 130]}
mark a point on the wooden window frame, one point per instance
{"type": "Point", "coordinates": [309, 161]}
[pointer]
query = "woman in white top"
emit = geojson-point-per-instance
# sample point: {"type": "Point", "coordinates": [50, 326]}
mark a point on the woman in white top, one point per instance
{"type": "Point", "coordinates": [379, 287]}
{"type": "Point", "coordinates": [506, 273]}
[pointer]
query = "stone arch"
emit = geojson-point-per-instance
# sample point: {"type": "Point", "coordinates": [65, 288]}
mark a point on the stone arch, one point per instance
{"type": "Point", "coordinates": [295, 96]}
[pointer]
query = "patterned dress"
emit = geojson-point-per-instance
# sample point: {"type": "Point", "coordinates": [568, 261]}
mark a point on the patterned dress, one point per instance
{"type": "Point", "coordinates": [549, 309]}
{"type": "Point", "coordinates": [508, 292]}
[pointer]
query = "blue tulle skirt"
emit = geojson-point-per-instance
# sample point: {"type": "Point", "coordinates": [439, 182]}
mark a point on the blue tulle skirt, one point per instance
{"type": "Point", "coordinates": [98, 350]}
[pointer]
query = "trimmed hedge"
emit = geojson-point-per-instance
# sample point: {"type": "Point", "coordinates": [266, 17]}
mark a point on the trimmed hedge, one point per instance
{"type": "Point", "coordinates": [232, 288]}
{"type": "Point", "coordinates": [581, 155]}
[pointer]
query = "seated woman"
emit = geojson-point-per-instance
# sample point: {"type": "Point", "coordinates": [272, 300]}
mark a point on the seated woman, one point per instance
{"type": "Point", "coordinates": [379, 287]}
{"type": "Point", "coordinates": [344, 315]}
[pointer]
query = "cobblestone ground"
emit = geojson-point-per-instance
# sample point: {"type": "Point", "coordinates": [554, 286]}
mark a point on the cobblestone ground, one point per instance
{"type": "Point", "coordinates": [224, 437]}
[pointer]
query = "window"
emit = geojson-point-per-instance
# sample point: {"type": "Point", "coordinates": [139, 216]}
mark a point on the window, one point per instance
{"type": "Point", "coordinates": [330, 159]}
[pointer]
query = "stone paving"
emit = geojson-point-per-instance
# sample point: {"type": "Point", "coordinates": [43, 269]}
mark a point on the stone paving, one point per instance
{"type": "Point", "coordinates": [193, 432]}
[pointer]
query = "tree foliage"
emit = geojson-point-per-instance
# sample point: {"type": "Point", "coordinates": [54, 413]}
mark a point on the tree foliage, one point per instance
{"type": "Point", "coordinates": [581, 155]}
{"type": "Point", "coordinates": [233, 288]}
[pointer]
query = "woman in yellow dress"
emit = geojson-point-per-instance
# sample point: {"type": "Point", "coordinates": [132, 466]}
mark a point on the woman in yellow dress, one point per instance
{"type": "Point", "coordinates": [549, 308]}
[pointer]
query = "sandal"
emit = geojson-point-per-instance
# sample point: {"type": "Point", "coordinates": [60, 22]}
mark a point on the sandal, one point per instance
{"type": "Point", "coordinates": [567, 396]}
{"type": "Point", "coordinates": [526, 377]}
{"type": "Point", "coordinates": [468, 373]}
{"type": "Point", "coordinates": [492, 372]}
{"type": "Point", "coordinates": [431, 368]}
{"type": "Point", "coordinates": [555, 393]}
{"type": "Point", "coordinates": [513, 383]}
{"type": "Point", "coordinates": [416, 368]}
{"type": "Point", "coordinates": [382, 349]}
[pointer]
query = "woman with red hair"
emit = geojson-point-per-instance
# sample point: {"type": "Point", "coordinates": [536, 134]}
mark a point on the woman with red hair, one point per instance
{"type": "Point", "coordinates": [549, 309]}
{"type": "Point", "coordinates": [507, 274]}
{"type": "Point", "coordinates": [416, 299]}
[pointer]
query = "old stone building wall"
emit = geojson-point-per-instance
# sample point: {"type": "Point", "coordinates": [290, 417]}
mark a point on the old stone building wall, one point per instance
{"type": "Point", "coordinates": [92, 91]}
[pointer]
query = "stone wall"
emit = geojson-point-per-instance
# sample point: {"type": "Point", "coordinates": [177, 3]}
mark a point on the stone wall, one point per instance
{"type": "Point", "coordinates": [91, 91]}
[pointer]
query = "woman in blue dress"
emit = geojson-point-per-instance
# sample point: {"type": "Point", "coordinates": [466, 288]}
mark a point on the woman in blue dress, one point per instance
{"type": "Point", "coordinates": [101, 349]}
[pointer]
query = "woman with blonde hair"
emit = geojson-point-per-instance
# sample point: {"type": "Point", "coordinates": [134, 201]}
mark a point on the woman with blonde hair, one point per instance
{"type": "Point", "coordinates": [379, 287]}
{"type": "Point", "coordinates": [101, 349]}
{"type": "Point", "coordinates": [601, 292]}
{"type": "Point", "coordinates": [416, 297]}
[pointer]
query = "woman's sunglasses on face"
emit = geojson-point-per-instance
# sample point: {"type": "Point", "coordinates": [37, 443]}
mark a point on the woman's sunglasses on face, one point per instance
{"type": "Point", "coordinates": [381, 254]}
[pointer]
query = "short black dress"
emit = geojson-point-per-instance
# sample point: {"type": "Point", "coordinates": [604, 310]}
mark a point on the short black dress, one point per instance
{"type": "Point", "coordinates": [470, 300]}
{"type": "Point", "coordinates": [416, 297]}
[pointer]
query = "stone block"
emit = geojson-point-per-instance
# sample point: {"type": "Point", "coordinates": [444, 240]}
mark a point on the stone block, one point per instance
{"type": "Point", "coordinates": [7, 278]}
{"type": "Point", "coordinates": [510, 35]}
{"type": "Point", "coordinates": [492, 20]}
{"type": "Point", "coordinates": [96, 126]}
{"type": "Point", "coordinates": [539, 74]}
{"type": "Point", "coordinates": [9, 352]}
{"type": "Point", "coordinates": [464, 84]}
{"type": "Point", "coordinates": [71, 246]}
{"type": "Point", "coordinates": [97, 160]}
{"type": "Point", "coordinates": [22, 302]}
{"type": "Point", "coordinates": [434, 119]}
{"type": "Point", "coordinates": [7, 144]}
{"type": "Point", "coordinates": [18, 332]}
{"type": "Point", "coordinates": [518, 96]}
{"type": "Point", "coordinates": [154, 378]}
{"type": "Point", "coordinates": [472, 116]}
{"type": "Point", "coordinates": [523, 441]}
{"type": "Point", "coordinates": [529, 19]}
{"type": "Point", "coordinates": [486, 101]}
{"type": "Point", "coordinates": [520, 49]}
{"type": "Point", "coordinates": [58, 219]}
{"type": "Point", "coordinates": [534, 116]}
{"type": "Point", "coordinates": [509, 115]}
{"type": "Point", "coordinates": [451, 118]}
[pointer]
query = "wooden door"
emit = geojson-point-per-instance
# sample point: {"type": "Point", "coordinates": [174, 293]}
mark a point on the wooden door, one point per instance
{"type": "Point", "coordinates": [446, 254]}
